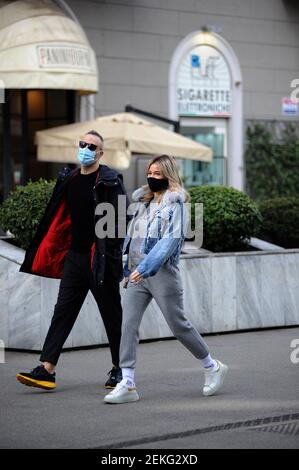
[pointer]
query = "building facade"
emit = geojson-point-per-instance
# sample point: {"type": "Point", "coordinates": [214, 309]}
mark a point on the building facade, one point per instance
{"type": "Point", "coordinates": [215, 66]}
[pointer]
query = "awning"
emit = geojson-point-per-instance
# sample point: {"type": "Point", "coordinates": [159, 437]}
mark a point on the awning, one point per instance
{"type": "Point", "coordinates": [41, 47]}
{"type": "Point", "coordinates": [124, 134]}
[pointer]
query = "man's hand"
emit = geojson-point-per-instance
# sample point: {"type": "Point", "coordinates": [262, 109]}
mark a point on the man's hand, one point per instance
{"type": "Point", "coordinates": [136, 277]}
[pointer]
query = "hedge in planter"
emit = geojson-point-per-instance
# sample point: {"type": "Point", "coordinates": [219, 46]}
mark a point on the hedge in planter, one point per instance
{"type": "Point", "coordinates": [272, 163]}
{"type": "Point", "coordinates": [230, 217]}
{"type": "Point", "coordinates": [22, 211]}
{"type": "Point", "coordinates": [281, 221]}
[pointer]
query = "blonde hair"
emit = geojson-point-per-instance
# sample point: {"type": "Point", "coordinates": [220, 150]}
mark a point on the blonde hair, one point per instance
{"type": "Point", "coordinates": [169, 169]}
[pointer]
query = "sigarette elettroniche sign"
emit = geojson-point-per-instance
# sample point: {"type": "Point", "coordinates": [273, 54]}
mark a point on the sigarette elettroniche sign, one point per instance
{"type": "Point", "coordinates": [203, 83]}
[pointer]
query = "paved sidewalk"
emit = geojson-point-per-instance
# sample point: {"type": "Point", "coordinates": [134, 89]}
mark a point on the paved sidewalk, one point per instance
{"type": "Point", "coordinates": [258, 406]}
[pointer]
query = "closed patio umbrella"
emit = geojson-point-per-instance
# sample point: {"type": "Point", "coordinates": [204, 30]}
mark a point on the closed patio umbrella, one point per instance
{"type": "Point", "coordinates": [124, 134]}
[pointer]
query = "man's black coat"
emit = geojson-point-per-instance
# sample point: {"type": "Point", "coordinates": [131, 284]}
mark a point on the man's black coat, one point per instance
{"type": "Point", "coordinates": [51, 242]}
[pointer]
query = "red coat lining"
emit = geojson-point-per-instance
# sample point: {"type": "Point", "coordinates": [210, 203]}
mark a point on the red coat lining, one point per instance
{"type": "Point", "coordinates": [93, 247]}
{"type": "Point", "coordinates": [49, 258]}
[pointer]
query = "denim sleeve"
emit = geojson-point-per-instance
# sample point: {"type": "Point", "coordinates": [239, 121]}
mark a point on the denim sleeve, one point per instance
{"type": "Point", "coordinates": [166, 246]}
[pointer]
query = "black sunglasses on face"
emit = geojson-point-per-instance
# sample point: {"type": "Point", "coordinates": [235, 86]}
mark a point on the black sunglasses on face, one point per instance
{"type": "Point", "coordinates": [83, 144]}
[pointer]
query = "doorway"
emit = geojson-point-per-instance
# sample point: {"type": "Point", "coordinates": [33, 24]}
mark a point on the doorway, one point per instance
{"type": "Point", "coordinates": [23, 113]}
{"type": "Point", "coordinates": [213, 133]}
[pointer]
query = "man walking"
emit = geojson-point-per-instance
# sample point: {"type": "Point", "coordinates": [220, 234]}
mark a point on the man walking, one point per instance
{"type": "Point", "coordinates": [65, 246]}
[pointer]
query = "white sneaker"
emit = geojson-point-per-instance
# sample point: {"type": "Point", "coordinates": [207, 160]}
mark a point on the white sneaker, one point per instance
{"type": "Point", "coordinates": [214, 379]}
{"type": "Point", "coordinates": [122, 393]}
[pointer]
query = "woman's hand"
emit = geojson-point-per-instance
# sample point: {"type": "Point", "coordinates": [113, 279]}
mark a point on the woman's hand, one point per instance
{"type": "Point", "coordinates": [136, 277]}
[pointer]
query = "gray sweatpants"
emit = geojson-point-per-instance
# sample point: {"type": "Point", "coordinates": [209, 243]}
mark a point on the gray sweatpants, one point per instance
{"type": "Point", "coordinates": [166, 288]}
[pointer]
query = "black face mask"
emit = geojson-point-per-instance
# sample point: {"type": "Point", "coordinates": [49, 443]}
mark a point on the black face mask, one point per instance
{"type": "Point", "coordinates": [157, 184]}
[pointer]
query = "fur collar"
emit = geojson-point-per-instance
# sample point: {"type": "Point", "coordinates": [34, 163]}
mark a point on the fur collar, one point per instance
{"type": "Point", "coordinates": [169, 197]}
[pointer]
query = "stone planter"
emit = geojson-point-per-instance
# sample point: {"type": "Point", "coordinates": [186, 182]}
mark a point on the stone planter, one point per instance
{"type": "Point", "coordinates": [223, 292]}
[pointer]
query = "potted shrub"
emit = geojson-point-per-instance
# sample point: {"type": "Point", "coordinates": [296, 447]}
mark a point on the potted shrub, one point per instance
{"type": "Point", "coordinates": [22, 211]}
{"type": "Point", "coordinates": [280, 221]}
{"type": "Point", "coordinates": [230, 217]}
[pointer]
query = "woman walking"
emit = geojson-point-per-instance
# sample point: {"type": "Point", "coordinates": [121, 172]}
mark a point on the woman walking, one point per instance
{"type": "Point", "coordinates": [153, 245]}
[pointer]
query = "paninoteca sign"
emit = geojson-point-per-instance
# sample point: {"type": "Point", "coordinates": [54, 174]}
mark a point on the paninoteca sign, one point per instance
{"type": "Point", "coordinates": [57, 56]}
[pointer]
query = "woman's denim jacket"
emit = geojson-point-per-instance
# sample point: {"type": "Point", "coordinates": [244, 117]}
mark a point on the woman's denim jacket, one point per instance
{"type": "Point", "coordinates": [165, 233]}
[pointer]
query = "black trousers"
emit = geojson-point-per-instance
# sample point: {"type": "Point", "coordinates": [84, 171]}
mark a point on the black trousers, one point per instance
{"type": "Point", "coordinates": [75, 283]}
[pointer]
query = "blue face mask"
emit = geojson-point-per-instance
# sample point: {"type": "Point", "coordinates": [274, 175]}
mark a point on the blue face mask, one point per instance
{"type": "Point", "coordinates": [86, 157]}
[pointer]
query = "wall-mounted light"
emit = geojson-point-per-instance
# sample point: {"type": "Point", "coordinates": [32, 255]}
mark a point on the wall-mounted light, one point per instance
{"type": "Point", "coordinates": [211, 28]}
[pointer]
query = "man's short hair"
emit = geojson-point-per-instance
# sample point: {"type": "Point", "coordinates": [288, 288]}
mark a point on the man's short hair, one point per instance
{"type": "Point", "coordinates": [92, 132]}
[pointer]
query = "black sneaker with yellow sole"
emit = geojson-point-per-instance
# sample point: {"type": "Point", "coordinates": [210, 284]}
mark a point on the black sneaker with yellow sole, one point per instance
{"type": "Point", "coordinates": [38, 377]}
{"type": "Point", "coordinates": [115, 376]}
